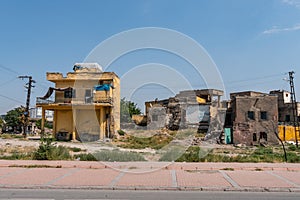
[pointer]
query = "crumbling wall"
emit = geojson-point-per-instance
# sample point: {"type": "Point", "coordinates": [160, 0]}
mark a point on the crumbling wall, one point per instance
{"type": "Point", "coordinates": [217, 120]}
{"type": "Point", "coordinates": [257, 128]}
{"type": "Point", "coordinates": [157, 117]}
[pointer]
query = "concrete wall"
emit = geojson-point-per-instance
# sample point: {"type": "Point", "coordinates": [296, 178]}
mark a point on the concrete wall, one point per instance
{"type": "Point", "coordinates": [157, 118]}
{"type": "Point", "coordinates": [63, 121]}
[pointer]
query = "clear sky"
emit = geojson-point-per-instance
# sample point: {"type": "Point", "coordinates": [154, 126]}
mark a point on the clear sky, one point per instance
{"type": "Point", "coordinates": [254, 43]}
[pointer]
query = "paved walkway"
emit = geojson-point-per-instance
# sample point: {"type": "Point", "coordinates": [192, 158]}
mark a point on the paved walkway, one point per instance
{"type": "Point", "coordinates": [150, 175]}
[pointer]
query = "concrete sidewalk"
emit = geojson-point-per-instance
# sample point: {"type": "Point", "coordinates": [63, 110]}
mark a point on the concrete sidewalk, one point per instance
{"type": "Point", "coordinates": [259, 177]}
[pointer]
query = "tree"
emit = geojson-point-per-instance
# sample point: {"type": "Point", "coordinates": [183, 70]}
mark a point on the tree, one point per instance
{"type": "Point", "coordinates": [1, 124]}
{"type": "Point", "coordinates": [38, 124]}
{"type": "Point", "coordinates": [128, 108]}
{"type": "Point", "coordinates": [15, 118]}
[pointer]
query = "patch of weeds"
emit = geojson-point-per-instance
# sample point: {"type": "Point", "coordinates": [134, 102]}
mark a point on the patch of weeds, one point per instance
{"type": "Point", "coordinates": [75, 149]}
{"type": "Point", "coordinates": [172, 154]}
{"type": "Point", "coordinates": [17, 156]}
{"type": "Point", "coordinates": [36, 166]}
{"type": "Point", "coordinates": [192, 154]}
{"type": "Point", "coordinates": [155, 142]}
{"type": "Point", "coordinates": [293, 157]}
{"type": "Point", "coordinates": [85, 157]}
{"type": "Point", "coordinates": [258, 169]}
{"type": "Point", "coordinates": [118, 156]}
{"type": "Point", "coordinates": [114, 155]}
{"type": "Point", "coordinates": [292, 148]}
{"type": "Point", "coordinates": [228, 169]}
{"type": "Point", "coordinates": [132, 167]}
{"type": "Point", "coordinates": [121, 132]}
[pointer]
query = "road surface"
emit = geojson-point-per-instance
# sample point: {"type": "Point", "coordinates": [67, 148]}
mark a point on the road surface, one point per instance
{"type": "Point", "coordinates": [50, 194]}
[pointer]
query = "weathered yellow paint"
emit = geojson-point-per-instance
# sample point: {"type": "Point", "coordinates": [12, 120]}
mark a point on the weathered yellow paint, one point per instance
{"type": "Point", "coordinates": [64, 120]}
{"type": "Point", "coordinates": [77, 115]}
{"type": "Point", "coordinates": [287, 133]}
{"type": "Point", "coordinates": [201, 100]}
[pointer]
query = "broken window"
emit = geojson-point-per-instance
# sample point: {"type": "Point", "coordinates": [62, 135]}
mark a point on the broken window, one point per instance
{"type": "Point", "coordinates": [254, 137]}
{"type": "Point", "coordinates": [263, 115]}
{"type": "Point", "coordinates": [287, 118]}
{"type": "Point", "coordinates": [251, 115]}
{"type": "Point", "coordinates": [263, 135]}
{"type": "Point", "coordinates": [88, 96]}
{"type": "Point", "coordinates": [70, 93]}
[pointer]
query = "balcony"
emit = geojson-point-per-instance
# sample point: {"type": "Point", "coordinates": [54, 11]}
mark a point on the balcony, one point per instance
{"type": "Point", "coordinates": [75, 101]}
{"type": "Point", "coordinates": [41, 101]}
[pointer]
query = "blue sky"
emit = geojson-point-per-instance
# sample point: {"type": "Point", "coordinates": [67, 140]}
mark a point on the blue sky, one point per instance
{"type": "Point", "coordinates": [253, 42]}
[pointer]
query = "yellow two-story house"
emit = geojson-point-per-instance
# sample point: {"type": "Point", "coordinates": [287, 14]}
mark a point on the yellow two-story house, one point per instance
{"type": "Point", "coordinates": [86, 103]}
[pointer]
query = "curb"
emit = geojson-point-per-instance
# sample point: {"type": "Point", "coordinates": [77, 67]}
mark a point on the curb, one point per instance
{"type": "Point", "coordinates": [199, 189]}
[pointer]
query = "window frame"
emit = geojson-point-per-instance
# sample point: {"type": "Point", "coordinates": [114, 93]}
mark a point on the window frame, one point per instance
{"type": "Point", "coordinates": [251, 115]}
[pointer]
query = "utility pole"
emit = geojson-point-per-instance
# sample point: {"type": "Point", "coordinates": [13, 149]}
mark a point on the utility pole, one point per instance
{"type": "Point", "coordinates": [294, 106]}
{"type": "Point", "coordinates": [26, 113]}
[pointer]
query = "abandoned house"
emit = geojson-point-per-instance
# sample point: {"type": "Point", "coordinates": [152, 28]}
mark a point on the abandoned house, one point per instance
{"type": "Point", "coordinates": [196, 109]}
{"type": "Point", "coordinates": [286, 129]}
{"type": "Point", "coordinates": [285, 107]}
{"type": "Point", "coordinates": [253, 118]}
{"type": "Point", "coordinates": [86, 103]}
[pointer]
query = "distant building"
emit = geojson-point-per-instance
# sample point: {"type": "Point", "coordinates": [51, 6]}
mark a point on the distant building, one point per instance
{"type": "Point", "coordinates": [285, 107]}
{"type": "Point", "coordinates": [86, 105]}
{"type": "Point", "coordinates": [253, 118]}
{"type": "Point", "coordinates": [36, 113]}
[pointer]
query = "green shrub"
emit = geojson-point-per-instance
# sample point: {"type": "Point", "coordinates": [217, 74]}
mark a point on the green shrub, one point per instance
{"type": "Point", "coordinates": [75, 149]}
{"type": "Point", "coordinates": [17, 156]}
{"type": "Point", "coordinates": [292, 148]}
{"type": "Point", "coordinates": [121, 132]}
{"type": "Point", "coordinates": [155, 142]}
{"type": "Point", "coordinates": [112, 156]}
{"type": "Point", "coordinates": [48, 151]}
{"type": "Point", "coordinates": [85, 157]}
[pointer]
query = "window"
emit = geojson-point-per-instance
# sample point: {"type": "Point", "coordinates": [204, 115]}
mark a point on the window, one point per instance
{"type": "Point", "coordinates": [70, 93]}
{"type": "Point", "coordinates": [251, 115]}
{"type": "Point", "coordinates": [88, 96]}
{"type": "Point", "coordinates": [254, 137]}
{"type": "Point", "coordinates": [287, 118]}
{"type": "Point", "coordinates": [263, 135]}
{"type": "Point", "coordinates": [263, 115]}
{"type": "Point", "coordinates": [88, 93]}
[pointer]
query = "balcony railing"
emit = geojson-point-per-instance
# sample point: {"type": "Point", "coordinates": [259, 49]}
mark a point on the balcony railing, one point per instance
{"type": "Point", "coordinates": [88, 100]}
{"type": "Point", "coordinates": [39, 100]}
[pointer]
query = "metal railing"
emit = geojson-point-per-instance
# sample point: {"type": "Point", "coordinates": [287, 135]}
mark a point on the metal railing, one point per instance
{"type": "Point", "coordinates": [109, 100]}
{"type": "Point", "coordinates": [39, 100]}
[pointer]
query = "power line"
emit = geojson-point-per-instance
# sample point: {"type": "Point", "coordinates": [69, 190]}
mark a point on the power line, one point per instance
{"type": "Point", "coordinates": [7, 82]}
{"type": "Point", "coordinates": [9, 70]}
{"type": "Point", "coordinates": [9, 98]}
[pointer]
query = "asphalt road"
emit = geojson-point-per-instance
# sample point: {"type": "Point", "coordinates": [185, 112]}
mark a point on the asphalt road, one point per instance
{"type": "Point", "coordinates": [50, 194]}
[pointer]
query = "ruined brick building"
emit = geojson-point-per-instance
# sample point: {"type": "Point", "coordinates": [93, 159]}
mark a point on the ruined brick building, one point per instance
{"type": "Point", "coordinates": [253, 118]}
{"type": "Point", "coordinates": [286, 128]}
{"type": "Point", "coordinates": [196, 109]}
{"type": "Point", "coordinates": [285, 108]}
{"type": "Point", "coordinates": [86, 103]}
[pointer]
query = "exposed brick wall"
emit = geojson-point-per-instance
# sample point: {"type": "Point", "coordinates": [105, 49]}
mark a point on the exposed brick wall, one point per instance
{"type": "Point", "coordinates": [262, 127]}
